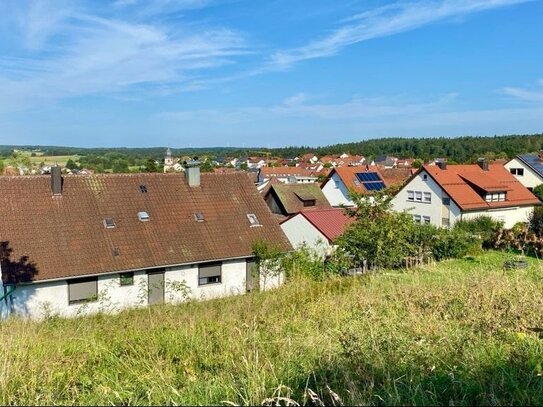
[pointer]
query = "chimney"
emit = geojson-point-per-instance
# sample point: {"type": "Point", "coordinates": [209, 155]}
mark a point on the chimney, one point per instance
{"type": "Point", "coordinates": [192, 172]}
{"type": "Point", "coordinates": [441, 163]}
{"type": "Point", "coordinates": [483, 163]}
{"type": "Point", "coordinates": [56, 180]}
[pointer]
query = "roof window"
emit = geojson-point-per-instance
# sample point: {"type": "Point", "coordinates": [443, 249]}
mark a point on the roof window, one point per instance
{"type": "Point", "coordinates": [253, 220]}
{"type": "Point", "coordinates": [143, 189]}
{"type": "Point", "coordinates": [116, 252]}
{"type": "Point", "coordinates": [143, 216]}
{"type": "Point", "coordinates": [199, 217]}
{"type": "Point", "coordinates": [109, 223]}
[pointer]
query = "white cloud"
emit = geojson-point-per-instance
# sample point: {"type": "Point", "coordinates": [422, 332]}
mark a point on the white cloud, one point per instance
{"type": "Point", "coordinates": [382, 22]}
{"type": "Point", "coordinates": [526, 95]}
{"type": "Point", "coordinates": [76, 53]}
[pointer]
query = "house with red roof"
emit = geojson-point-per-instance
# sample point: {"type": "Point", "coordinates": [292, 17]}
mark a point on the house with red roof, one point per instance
{"type": "Point", "coordinates": [316, 228]}
{"type": "Point", "coordinates": [443, 194]}
{"type": "Point", "coordinates": [341, 181]}
{"type": "Point", "coordinates": [71, 245]}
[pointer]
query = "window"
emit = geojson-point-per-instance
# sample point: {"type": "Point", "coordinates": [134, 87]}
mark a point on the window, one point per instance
{"type": "Point", "coordinates": [116, 252]}
{"type": "Point", "coordinates": [253, 220]}
{"type": "Point", "coordinates": [309, 202]}
{"type": "Point", "coordinates": [425, 177]}
{"type": "Point", "coordinates": [495, 197]}
{"type": "Point", "coordinates": [446, 201]}
{"type": "Point", "coordinates": [109, 223]}
{"type": "Point", "coordinates": [143, 216]}
{"type": "Point", "coordinates": [427, 197]}
{"type": "Point", "coordinates": [417, 218]}
{"type": "Point", "coordinates": [445, 222]}
{"type": "Point", "coordinates": [517, 171]}
{"type": "Point", "coordinates": [199, 217]}
{"type": "Point", "coordinates": [143, 189]}
{"type": "Point", "coordinates": [82, 290]}
{"type": "Point", "coordinates": [410, 195]}
{"type": "Point", "coordinates": [426, 219]}
{"type": "Point", "coordinates": [418, 196]}
{"type": "Point", "coordinates": [209, 273]}
{"type": "Point", "coordinates": [126, 278]}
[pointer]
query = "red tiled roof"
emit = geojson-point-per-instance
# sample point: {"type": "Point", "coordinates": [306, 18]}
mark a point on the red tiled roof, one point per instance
{"type": "Point", "coordinates": [65, 236]}
{"type": "Point", "coordinates": [285, 171]}
{"type": "Point", "coordinates": [461, 182]}
{"type": "Point", "coordinates": [330, 222]}
{"type": "Point", "coordinates": [390, 176]}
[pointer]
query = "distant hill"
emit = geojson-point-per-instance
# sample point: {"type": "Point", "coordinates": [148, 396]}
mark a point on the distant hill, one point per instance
{"type": "Point", "coordinates": [457, 149]}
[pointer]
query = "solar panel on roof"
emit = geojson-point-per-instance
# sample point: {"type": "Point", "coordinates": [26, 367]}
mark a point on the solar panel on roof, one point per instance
{"type": "Point", "coordinates": [368, 176]}
{"type": "Point", "coordinates": [374, 186]}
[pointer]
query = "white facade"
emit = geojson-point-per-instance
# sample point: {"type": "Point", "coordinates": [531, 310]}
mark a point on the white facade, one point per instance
{"type": "Point", "coordinates": [336, 192]}
{"type": "Point", "coordinates": [48, 298]}
{"type": "Point", "coordinates": [442, 211]}
{"type": "Point", "coordinates": [300, 232]}
{"type": "Point", "coordinates": [529, 178]}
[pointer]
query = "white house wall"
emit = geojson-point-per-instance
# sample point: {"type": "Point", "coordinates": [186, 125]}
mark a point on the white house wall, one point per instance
{"type": "Point", "coordinates": [433, 209]}
{"type": "Point", "coordinates": [336, 192]}
{"type": "Point", "coordinates": [510, 216]}
{"type": "Point", "coordinates": [40, 299]}
{"type": "Point", "coordinates": [530, 179]}
{"type": "Point", "coordinates": [300, 232]}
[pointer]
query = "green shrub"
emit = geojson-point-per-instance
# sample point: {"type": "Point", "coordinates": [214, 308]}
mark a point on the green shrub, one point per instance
{"type": "Point", "coordinates": [482, 230]}
{"type": "Point", "coordinates": [538, 191]}
{"type": "Point", "coordinates": [451, 244]}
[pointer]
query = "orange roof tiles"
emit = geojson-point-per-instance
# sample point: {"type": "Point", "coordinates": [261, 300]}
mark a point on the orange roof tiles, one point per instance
{"type": "Point", "coordinates": [64, 236]}
{"type": "Point", "coordinates": [462, 182]}
{"type": "Point", "coordinates": [390, 176]}
{"type": "Point", "coordinates": [330, 222]}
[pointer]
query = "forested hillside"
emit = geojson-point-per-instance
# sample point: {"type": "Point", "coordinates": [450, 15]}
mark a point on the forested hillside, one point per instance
{"type": "Point", "coordinates": [458, 149]}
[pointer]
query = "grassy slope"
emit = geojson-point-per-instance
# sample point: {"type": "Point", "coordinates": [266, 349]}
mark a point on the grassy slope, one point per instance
{"type": "Point", "coordinates": [452, 333]}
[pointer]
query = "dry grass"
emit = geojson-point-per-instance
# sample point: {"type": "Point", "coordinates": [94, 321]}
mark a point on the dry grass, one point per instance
{"type": "Point", "coordinates": [460, 332]}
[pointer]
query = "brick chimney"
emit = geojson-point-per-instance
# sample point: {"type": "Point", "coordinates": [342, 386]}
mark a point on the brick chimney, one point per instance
{"type": "Point", "coordinates": [192, 172]}
{"type": "Point", "coordinates": [483, 163]}
{"type": "Point", "coordinates": [56, 181]}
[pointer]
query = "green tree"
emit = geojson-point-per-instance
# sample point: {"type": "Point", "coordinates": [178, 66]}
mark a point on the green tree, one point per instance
{"type": "Point", "coordinates": [71, 165]}
{"type": "Point", "coordinates": [150, 166]}
{"type": "Point", "coordinates": [379, 235]}
{"type": "Point", "coordinates": [538, 191]}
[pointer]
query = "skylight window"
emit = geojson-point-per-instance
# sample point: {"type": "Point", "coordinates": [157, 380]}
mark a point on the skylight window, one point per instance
{"type": "Point", "coordinates": [253, 220]}
{"type": "Point", "coordinates": [109, 223]}
{"type": "Point", "coordinates": [143, 189]}
{"type": "Point", "coordinates": [143, 216]}
{"type": "Point", "coordinates": [116, 252]}
{"type": "Point", "coordinates": [199, 217]}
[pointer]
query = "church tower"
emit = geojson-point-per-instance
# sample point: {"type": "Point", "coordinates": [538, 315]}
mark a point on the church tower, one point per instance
{"type": "Point", "coordinates": [168, 160]}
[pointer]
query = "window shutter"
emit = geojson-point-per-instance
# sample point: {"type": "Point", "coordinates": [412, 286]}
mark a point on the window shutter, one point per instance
{"type": "Point", "coordinates": [209, 270]}
{"type": "Point", "coordinates": [82, 289]}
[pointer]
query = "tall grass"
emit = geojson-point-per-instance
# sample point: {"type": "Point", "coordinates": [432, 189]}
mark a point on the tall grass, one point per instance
{"type": "Point", "coordinates": [461, 332]}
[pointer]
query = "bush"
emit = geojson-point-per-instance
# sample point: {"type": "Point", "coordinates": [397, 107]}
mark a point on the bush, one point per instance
{"type": "Point", "coordinates": [453, 243]}
{"type": "Point", "coordinates": [481, 230]}
{"type": "Point", "coordinates": [538, 191]}
{"type": "Point", "coordinates": [536, 221]}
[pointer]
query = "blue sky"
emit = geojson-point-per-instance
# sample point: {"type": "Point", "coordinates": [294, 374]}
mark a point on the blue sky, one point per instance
{"type": "Point", "coordinates": [266, 73]}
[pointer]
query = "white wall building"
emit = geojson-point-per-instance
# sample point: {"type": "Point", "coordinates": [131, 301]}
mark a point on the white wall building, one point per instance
{"type": "Point", "coordinates": [527, 169]}
{"type": "Point", "coordinates": [442, 195]}
{"type": "Point", "coordinates": [107, 242]}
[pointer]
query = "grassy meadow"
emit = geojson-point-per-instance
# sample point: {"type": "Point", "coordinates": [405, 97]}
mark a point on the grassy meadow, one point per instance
{"type": "Point", "coordinates": [460, 332]}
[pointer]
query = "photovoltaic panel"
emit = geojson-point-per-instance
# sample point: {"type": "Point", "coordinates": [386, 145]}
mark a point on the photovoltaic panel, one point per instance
{"type": "Point", "coordinates": [367, 176]}
{"type": "Point", "coordinates": [374, 186]}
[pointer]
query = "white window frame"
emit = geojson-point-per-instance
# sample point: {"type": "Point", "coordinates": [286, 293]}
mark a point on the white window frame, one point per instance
{"type": "Point", "coordinates": [410, 195]}
{"type": "Point", "coordinates": [418, 196]}
{"type": "Point", "coordinates": [427, 197]}
{"type": "Point", "coordinates": [417, 218]}
{"type": "Point", "coordinates": [426, 219]}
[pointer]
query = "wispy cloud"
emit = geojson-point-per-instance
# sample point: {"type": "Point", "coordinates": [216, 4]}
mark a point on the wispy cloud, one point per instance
{"type": "Point", "coordinates": [299, 106]}
{"type": "Point", "coordinates": [382, 22]}
{"type": "Point", "coordinates": [72, 52]}
{"type": "Point", "coordinates": [526, 95]}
